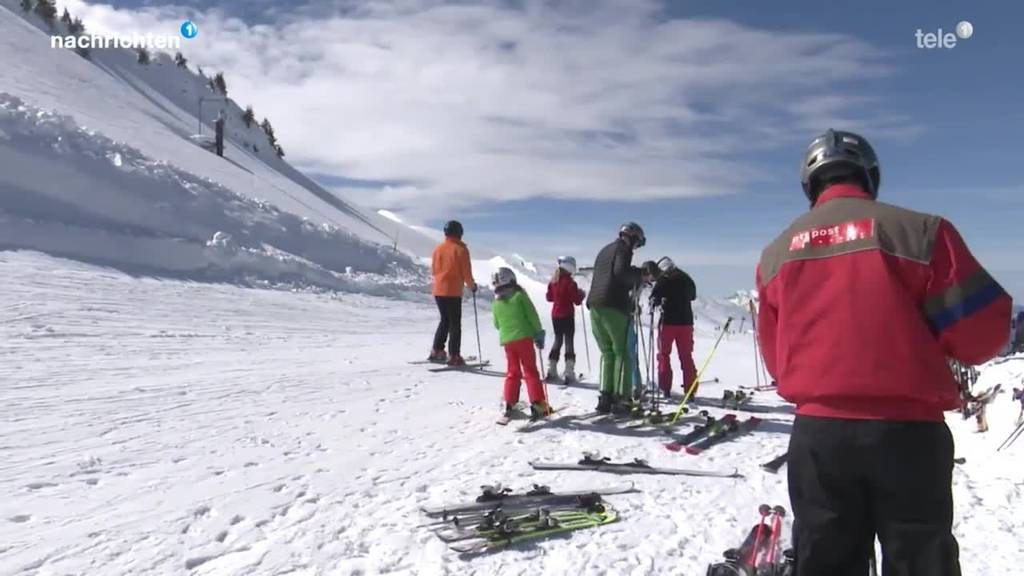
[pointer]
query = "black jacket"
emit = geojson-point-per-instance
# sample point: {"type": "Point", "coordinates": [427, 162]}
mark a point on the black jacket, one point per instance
{"type": "Point", "coordinates": [614, 276]}
{"type": "Point", "coordinates": [675, 291]}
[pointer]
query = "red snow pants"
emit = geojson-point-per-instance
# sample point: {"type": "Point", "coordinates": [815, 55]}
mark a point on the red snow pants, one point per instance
{"type": "Point", "coordinates": [522, 362]}
{"type": "Point", "coordinates": [682, 337]}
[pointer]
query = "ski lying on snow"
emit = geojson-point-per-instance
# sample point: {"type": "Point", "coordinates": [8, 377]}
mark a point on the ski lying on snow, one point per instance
{"type": "Point", "coordinates": [534, 529]}
{"type": "Point", "coordinates": [538, 496]}
{"type": "Point", "coordinates": [774, 464]}
{"type": "Point", "coordinates": [635, 467]}
{"type": "Point", "coordinates": [722, 434]}
{"type": "Point", "coordinates": [710, 424]}
{"type": "Point", "coordinates": [482, 524]}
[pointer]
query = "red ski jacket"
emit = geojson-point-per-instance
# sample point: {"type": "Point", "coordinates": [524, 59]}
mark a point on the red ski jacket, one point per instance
{"type": "Point", "coordinates": [862, 302]}
{"type": "Point", "coordinates": [565, 294]}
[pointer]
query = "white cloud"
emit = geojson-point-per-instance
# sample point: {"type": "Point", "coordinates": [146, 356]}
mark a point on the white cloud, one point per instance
{"type": "Point", "coordinates": [464, 104]}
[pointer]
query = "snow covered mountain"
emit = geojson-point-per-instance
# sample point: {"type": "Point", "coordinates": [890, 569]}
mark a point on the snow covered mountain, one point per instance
{"type": "Point", "coordinates": [99, 162]}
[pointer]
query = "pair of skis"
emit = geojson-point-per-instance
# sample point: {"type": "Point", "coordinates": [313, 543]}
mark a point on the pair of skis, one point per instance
{"type": "Point", "coordinates": [760, 553]}
{"type": "Point", "coordinates": [499, 517]}
{"type": "Point", "coordinates": [496, 496]}
{"type": "Point", "coordinates": [511, 530]}
{"type": "Point", "coordinates": [713, 431]}
{"type": "Point", "coordinates": [593, 461]}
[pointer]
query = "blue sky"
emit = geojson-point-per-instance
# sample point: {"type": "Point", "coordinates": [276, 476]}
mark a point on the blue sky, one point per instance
{"type": "Point", "coordinates": [543, 126]}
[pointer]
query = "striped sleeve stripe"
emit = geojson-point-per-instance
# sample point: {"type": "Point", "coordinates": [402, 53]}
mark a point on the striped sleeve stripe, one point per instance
{"type": "Point", "coordinates": [963, 300]}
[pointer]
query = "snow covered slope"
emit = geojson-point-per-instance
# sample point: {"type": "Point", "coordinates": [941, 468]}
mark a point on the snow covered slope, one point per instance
{"type": "Point", "coordinates": [102, 150]}
{"type": "Point", "coordinates": [162, 427]}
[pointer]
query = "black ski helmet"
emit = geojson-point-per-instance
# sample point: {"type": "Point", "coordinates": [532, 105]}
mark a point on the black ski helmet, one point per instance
{"type": "Point", "coordinates": [836, 152]}
{"type": "Point", "coordinates": [453, 228]}
{"type": "Point", "coordinates": [634, 233]}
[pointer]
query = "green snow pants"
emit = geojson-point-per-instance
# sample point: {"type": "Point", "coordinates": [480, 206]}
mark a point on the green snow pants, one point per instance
{"type": "Point", "coordinates": [609, 327]}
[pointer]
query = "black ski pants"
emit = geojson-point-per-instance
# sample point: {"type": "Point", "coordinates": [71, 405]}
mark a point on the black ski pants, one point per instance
{"type": "Point", "coordinates": [450, 326]}
{"type": "Point", "coordinates": [565, 331]}
{"type": "Point", "coordinates": [850, 480]}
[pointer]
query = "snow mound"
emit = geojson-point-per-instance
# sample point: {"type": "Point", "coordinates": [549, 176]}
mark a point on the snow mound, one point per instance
{"type": "Point", "coordinates": [106, 202]}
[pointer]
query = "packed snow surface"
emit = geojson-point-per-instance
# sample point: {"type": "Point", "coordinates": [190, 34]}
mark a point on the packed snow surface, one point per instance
{"type": "Point", "coordinates": [155, 426]}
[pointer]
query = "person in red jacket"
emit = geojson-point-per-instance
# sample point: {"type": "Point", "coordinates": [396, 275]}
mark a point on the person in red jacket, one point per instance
{"type": "Point", "coordinates": [565, 295]}
{"type": "Point", "coordinates": [861, 303]}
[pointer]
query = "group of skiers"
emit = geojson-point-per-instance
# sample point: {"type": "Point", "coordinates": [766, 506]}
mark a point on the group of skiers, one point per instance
{"type": "Point", "coordinates": [613, 301]}
{"type": "Point", "coordinates": [861, 304]}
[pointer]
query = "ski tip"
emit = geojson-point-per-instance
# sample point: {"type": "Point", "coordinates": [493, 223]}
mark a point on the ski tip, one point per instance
{"type": "Point", "coordinates": [693, 451]}
{"type": "Point", "coordinates": [673, 446]}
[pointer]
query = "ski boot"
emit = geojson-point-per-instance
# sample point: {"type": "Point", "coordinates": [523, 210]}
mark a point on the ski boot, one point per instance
{"type": "Point", "coordinates": [728, 399]}
{"type": "Point", "coordinates": [604, 403]}
{"type": "Point", "coordinates": [456, 360]}
{"type": "Point", "coordinates": [493, 492]}
{"type": "Point", "coordinates": [552, 375]}
{"type": "Point", "coordinates": [570, 372]}
{"type": "Point", "coordinates": [438, 357]}
{"type": "Point", "coordinates": [539, 411]}
{"type": "Point", "coordinates": [622, 408]}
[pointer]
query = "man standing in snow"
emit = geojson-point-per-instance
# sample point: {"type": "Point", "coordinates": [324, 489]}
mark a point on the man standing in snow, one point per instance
{"type": "Point", "coordinates": [860, 305]}
{"type": "Point", "coordinates": [218, 126]}
{"type": "Point", "coordinates": [610, 307]}
{"type": "Point", "coordinates": [452, 270]}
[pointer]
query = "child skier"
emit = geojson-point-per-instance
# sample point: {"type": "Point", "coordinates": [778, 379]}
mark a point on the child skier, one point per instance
{"type": "Point", "coordinates": [565, 295]}
{"type": "Point", "coordinates": [519, 328]}
{"type": "Point", "coordinates": [673, 291]}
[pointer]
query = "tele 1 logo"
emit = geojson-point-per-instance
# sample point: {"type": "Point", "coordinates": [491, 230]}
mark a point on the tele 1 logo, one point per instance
{"type": "Point", "coordinates": [940, 39]}
{"type": "Point", "coordinates": [189, 29]}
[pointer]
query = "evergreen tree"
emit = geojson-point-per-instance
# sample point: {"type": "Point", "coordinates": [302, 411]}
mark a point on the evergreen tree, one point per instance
{"type": "Point", "coordinates": [77, 28]}
{"type": "Point", "coordinates": [66, 19]}
{"type": "Point", "coordinates": [220, 84]}
{"type": "Point", "coordinates": [248, 116]}
{"type": "Point", "coordinates": [46, 10]}
{"type": "Point", "coordinates": [143, 56]}
{"type": "Point", "coordinates": [180, 60]}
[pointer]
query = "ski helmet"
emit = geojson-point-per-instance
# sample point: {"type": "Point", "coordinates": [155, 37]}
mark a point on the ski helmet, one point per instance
{"type": "Point", "coordinates": [836, 152]}
{"type": "Point", "coordinates": [503, 278]}
{"type": "Point", "coordinates": [453, 228]}
{"type": "Point", "coordinates": [567, 263]}
{"type": "Point", "coordinates": [634, 233]}
{"type": "Point", "coordinates": [666, 264]}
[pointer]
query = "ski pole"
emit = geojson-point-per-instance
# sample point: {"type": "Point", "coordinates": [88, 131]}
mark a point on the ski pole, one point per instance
{"type": "Point", "coordinates": [764, 510]}
{"type": "Point", "coordinates": [686, 398]}
{"type": "Point", "coordinates": [1012, 437]}
{"type": "Point", "coordinates": [586, 338]}
{"type": "Point", "coordinates": [547, 398]}
{"type": "Point", "coordinates": [476, 320]}
{"type": "Point", "coordinates": [779, 513]}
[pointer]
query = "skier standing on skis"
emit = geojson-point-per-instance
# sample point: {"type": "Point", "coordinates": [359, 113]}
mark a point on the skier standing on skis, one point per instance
{"type": "Point", "coordinates": [861, 302]}
{"type": "Point", "coordinates": [674, 291]}
{"type": "Point", "coordinates": [565, 295]}
{"type": "Point", "coordinates": [452, 270]}
{"type": "Point", "coordinates": [519, 328]}
{"type": "Point", "coordinates": [610, 309]}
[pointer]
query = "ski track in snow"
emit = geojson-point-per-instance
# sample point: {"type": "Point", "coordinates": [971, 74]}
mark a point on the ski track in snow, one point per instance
{"type": "Point", "coordinates": [164, 427]}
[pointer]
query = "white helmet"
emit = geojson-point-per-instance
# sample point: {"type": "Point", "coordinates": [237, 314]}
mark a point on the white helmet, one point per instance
{"type": "Point", "coordinates": [502, 278]}
{"type": "Point", "coordinates": [666, 264]}
{"type": "Point", "coordinates": [567, 263]}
